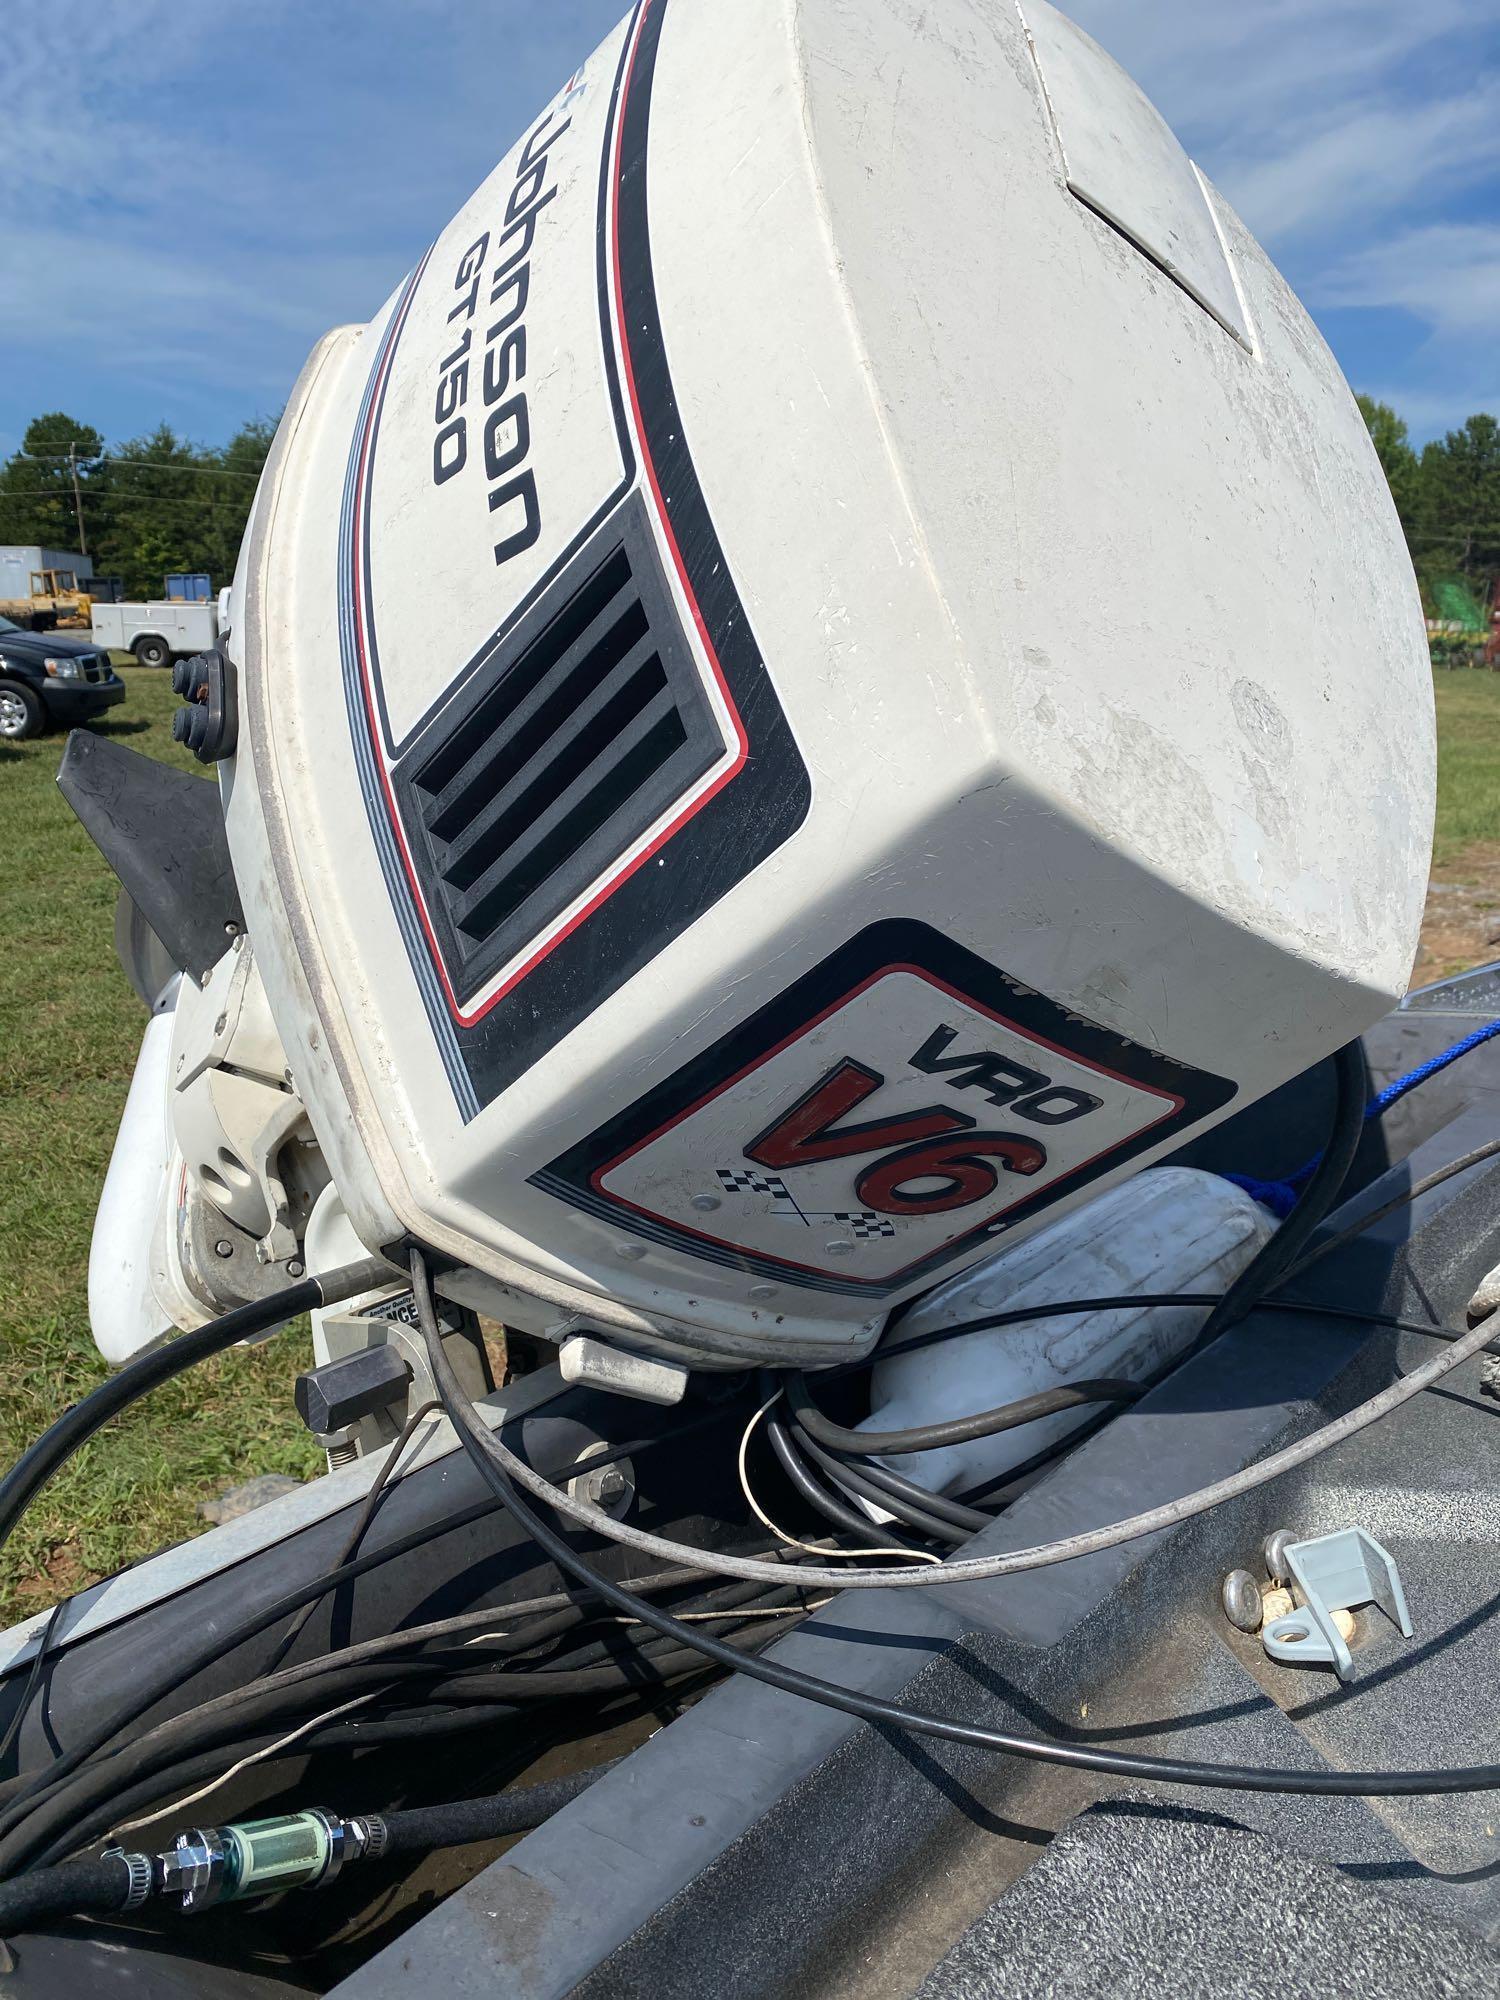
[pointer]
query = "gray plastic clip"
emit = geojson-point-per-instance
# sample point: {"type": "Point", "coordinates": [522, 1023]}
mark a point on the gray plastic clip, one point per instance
{"type": "Point", "coordinates": [1334, 1573]}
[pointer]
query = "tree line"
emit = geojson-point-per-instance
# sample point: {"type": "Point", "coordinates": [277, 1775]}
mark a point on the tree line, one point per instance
{"type": "Point", "coordinates": [158, 503]}
{"type": "Point", "coordinates": [140, 509]}
{"type": "Point", "coordinates": [1448, 497]}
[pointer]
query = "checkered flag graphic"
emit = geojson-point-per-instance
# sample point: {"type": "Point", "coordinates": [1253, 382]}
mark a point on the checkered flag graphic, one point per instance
{"type": "Point", "coordinates": [864, 1224]}
{"type": "Point", "coordinates": [753, 1183]}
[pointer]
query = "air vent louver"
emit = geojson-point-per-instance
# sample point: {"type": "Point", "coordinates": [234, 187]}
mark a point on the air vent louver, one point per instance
{"type": "Point", "coordinates": [559, 753]}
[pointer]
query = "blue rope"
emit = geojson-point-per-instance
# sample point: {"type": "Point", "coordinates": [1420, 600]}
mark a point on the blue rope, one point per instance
{"type": "Point", "coordinates": [1281, 1196]}
{"type": "Point", "coordinates": [1278, 1196]}
{"type": "Point", "coordinates": [1420, 1074]}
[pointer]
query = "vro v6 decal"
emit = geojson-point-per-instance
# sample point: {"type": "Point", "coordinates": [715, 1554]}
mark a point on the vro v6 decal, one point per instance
{"type": "Point", "coordinates": [899, 1106]}
{"type": "Point", "coordinates": [920, 1147]}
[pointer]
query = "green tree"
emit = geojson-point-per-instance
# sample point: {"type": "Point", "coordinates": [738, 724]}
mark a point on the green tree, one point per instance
{"type": "Point", "coordinates": [36, 485]}
{"type": "Point", "coordinates": [152, 504]}
{"type": "Point", "coordinates": [1459, 522]}
{"type": "Point", "coordinates": [1393, 448]}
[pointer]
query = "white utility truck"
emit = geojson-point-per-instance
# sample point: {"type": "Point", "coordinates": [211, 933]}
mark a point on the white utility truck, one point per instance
{"type": "Point", "coordinates": [158, 631]}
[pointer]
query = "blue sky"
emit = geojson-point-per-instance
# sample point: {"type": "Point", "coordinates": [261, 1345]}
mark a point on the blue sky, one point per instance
{"type": "Point", "coordinates": [192, 190]}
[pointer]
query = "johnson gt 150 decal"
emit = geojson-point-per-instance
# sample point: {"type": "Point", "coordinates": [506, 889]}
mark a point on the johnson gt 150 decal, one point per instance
{"type": "Point", "coordinates": [896, 1107]}
{"type": "Point", "coordinates": [520, 451]}
{"type": "Point", "coordinates": [510, 816]}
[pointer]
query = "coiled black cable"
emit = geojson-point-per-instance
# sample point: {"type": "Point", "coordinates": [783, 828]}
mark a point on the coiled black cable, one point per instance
{"type": "Point", "coordinates": [19, 1796]}
{"type": "Point", "coordinates": [831, 1508]}
{"type": "Point", "coordinates": [869, 1708]}
{"type": "Point", "coordinates": [858, 1477]}
{"type": "Point", "coordinates": [957, 1430]}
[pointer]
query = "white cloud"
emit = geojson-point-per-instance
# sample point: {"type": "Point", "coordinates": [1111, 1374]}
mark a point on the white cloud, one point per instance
{"type": "Point", "coordinates": [1366, 159]}
{"type": "Point", "coordinates": [1446, 276]}
{"type": "Point", "coordinates": [1348, 134]}
{"type": "Point", "coordinates": [1307, 116]}
{"type": "Point", "coordinates": [1447, 273]}
{"type": "Point", "coordinates": [226, 179]}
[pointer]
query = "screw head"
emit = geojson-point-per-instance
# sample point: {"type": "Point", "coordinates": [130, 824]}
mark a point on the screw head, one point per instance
{"type": "Point", "coordinates": [295, 1267]}
{"type": "Point", "coordinates": [608, 1484]}
{"type": "Point", "coordinates": [223, 1248]}
{"type": "Point", "coordinates": [1240, 1596]}
{"type": "Point", "coordinates": [609, 1487]}
{"type": "Point", "coordinates": [219, 1024]}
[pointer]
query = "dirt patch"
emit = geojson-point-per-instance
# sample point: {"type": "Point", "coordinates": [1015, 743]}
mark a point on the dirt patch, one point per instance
{"type": "Point", "coordinates": [62, 1575]}
{"type": "Point", "coordinates": [1462, 924]}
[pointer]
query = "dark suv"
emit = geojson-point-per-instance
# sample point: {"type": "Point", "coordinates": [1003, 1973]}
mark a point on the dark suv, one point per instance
{"type": "Point", "coordinates": [48, 677]}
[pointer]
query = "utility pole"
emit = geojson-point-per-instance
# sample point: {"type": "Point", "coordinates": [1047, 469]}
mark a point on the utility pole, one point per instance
{"type": "Point", "coordinates": [83, 547]}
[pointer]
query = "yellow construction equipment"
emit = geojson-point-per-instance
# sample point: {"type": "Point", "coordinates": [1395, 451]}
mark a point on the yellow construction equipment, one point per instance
{"type": "Point", "coordinates": [55, 600]}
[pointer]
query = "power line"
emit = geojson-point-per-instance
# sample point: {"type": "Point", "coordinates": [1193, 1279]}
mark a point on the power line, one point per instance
{"type": "Point", "coordinates": [161, 464]}
{"type": "Point", "coordinates": [102, 502]}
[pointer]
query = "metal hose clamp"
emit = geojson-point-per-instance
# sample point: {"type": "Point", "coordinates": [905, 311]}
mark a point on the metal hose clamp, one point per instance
{"type": "Point", "coordinates": [373, 1835]}
{"type": "Point", "coordinates": [139, 1876]}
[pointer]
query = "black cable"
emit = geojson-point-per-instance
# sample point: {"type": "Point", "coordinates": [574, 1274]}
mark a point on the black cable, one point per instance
{"type": "Point", "coordinates": [831, 1508]}
{"type": "Point", "coordinates": [20, 1794]}
{"type": "Point", "coordinates": [14, 1791]}
{"type": "Point", "coordinates": [957, 1430]}
{"type": "Point", "coordinates": [350, 1570]}
{"type": "Point", "coordinates": [868, 1708]}
{"type": "Point", "coordinates": [366, 1515]}
{"type": "Point", "coordinates": [100, 1885]}
{"type": "Point", "coordinates": [56, 1824]}
{"type": "Point", "coordinates": [956, 1513]}
{"type": "Point", "coordinates": [1275, 1257]}
{"type": "Point", "coordinates": [39, 1661]}
{"type": "Point", "coordinates": [373, 1729]}
{"type": "Point", "coordinates": [859, 1477]}
{"type": "Point", "coordinates": [892, 1507]}
{"type": "Point", "coordinates": [794, 1453]}
{"type": "Point", "coordinates": [1408, 1194]}
{"type": "Point", "coordinates": [57, 1444]}
{"type": "Point", "coordinates": [245, 1717]}
{"type": "Point", "coordinates": [125, 1786]}
{"type": "Point", "coordinates": [420, 1829]}
{"type": "Point", "coordinates": [72, 1889]}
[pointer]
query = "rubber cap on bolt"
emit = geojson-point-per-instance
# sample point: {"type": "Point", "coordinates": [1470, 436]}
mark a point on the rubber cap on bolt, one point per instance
{"type": "Point", "coordinates": [188, 676]}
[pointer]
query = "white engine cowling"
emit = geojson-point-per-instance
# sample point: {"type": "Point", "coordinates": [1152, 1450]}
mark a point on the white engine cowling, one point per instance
{"type": "Point", "coordinates": [834, 672]}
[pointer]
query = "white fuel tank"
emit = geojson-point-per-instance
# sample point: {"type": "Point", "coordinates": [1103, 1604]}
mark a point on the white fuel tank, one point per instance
{"type": "Point", "coordinates": [1173, 1229]}
{"type": "Point", "coordinates": [833, 673]}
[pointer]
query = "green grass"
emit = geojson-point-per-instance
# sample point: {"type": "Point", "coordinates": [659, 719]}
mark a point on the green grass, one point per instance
{"type": "Point", "coordinates": [1468, 807]}
{"type": "Point", "coordinates": [70, 1028]}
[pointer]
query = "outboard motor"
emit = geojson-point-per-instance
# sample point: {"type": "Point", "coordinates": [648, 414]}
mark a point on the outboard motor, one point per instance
{"type": "Point", "coordinates": [833, 674]}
